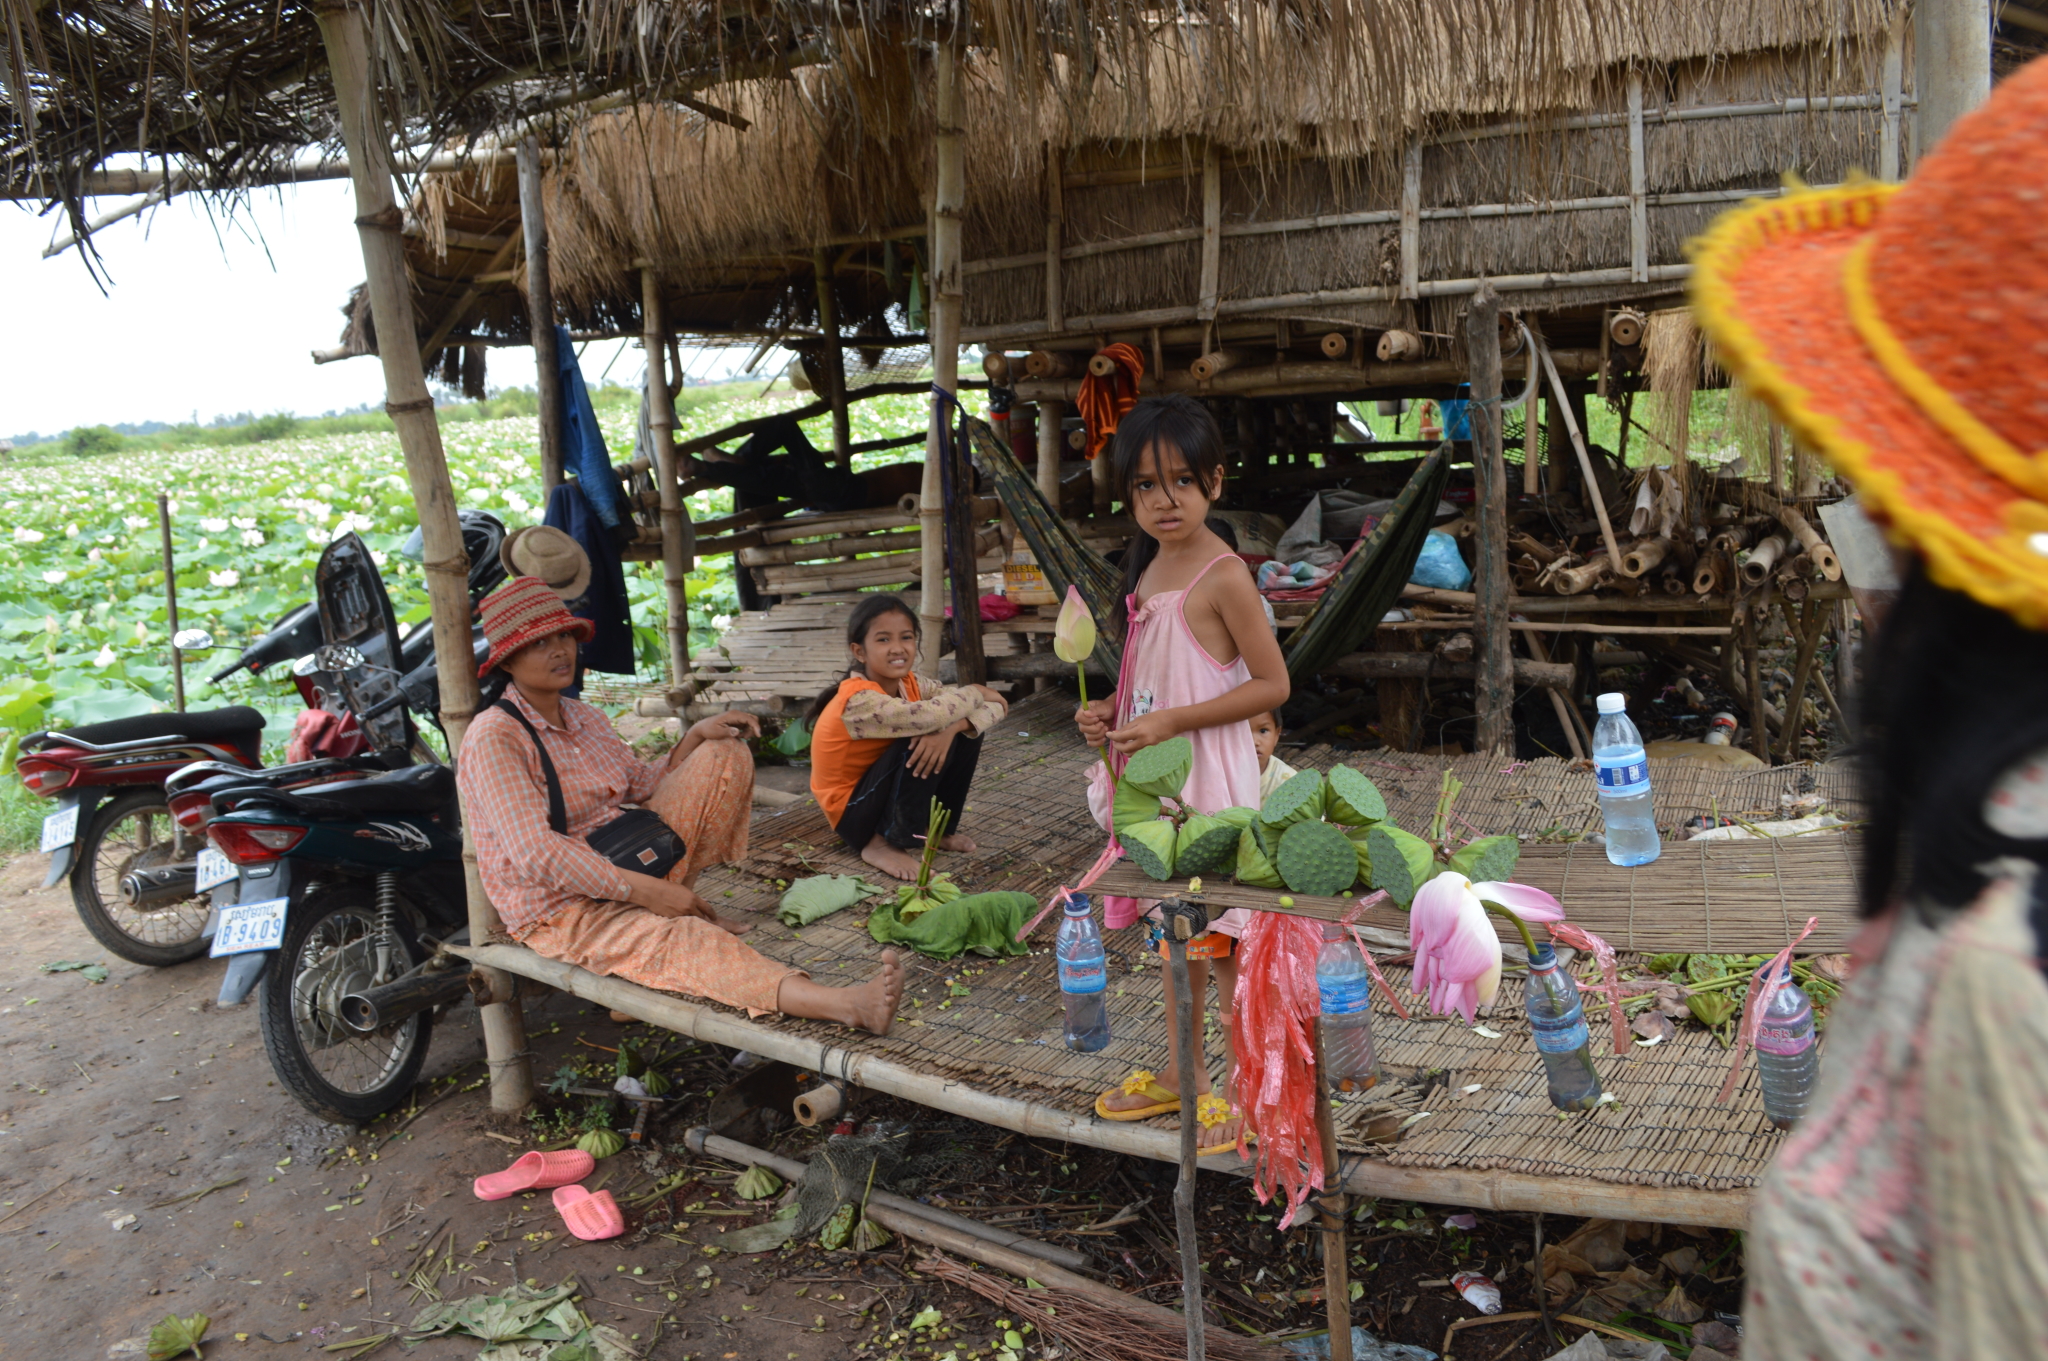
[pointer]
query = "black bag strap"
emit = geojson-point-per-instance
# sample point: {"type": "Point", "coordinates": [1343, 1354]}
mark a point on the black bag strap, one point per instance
{"type": "Point", "coordinates": [558, 812]}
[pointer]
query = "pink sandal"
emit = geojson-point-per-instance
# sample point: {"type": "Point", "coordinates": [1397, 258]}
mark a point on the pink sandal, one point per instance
{"type": "Point", "coordinates": [536, 1171]}
{"type": "Point", "coordinates": [590, 1217]}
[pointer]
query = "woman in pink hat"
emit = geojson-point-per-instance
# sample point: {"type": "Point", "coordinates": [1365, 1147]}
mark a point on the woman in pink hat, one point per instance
{"type": "Point", "coordinates": [561, 898]}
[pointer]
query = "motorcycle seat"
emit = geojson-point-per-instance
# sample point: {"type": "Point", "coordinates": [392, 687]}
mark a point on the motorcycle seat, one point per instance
{"type": "Point", "coordinates": [415, 789]}
{"type": "Point", "coordinates": [238, 726]}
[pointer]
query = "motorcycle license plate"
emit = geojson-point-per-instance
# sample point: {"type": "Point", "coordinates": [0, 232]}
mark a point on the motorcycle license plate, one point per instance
{"type": "Point", "coordinates": [250, 926]}
{"type": "Point", "coordinates": [213, 870]}
{"type": "Point", "coordinates": [60, 829]}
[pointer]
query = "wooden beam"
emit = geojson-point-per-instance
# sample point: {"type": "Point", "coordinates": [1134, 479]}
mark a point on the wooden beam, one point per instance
{"type": "Point", "coordinates": [1638, 186]}
{"type": "Point", "coordinates": [459, 313]}
{"type": "Point", "coordinates": [1494, 694]}
{"type": "Point", "coordinates": [540, 312]}
{"type": "Point", "coordinates": [1411, 220]}
{"type": "Point", "coordinates": [344, 31]}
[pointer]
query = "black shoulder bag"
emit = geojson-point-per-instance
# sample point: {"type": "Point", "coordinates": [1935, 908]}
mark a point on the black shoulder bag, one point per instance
{"type": "Point", "coordinates": [637, 839]}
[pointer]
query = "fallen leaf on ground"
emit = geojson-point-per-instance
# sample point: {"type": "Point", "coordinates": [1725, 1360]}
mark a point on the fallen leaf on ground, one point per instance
{"type": "Point", "coordinates": [175, 1336]}
{"type": "Point", "coordinates": [1677, 1308]}
{"type": "Point", "coordinates": [1682, 1261]}
{"type": "Point", "coordinates": [1654, 1027]}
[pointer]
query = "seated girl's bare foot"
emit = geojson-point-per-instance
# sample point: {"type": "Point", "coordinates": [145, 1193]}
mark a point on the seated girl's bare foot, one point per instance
{"type": "Point", "coordinates": [889, 860]}
{"type": "Point", "coordinates": [958, 842]}
{"type": "Point", "coordinates": [874, 1002]}
{"type": "Point", "coordinates": [733, 924]}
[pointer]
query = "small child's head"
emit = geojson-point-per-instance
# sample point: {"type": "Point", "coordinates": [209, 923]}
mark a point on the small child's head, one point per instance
{"type": "Point", "coordinates": [1168, 466]}
{"type": "Point", "coordinates": [1266, 732]}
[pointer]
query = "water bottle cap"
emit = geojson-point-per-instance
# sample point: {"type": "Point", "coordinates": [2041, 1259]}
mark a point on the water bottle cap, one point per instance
{"type": "Point", "coordinates": [1613, 702]}
{"type": "Point", "coordinates": [1543, 956]}
{"type": "Point", "coordinates": [1077, 905]}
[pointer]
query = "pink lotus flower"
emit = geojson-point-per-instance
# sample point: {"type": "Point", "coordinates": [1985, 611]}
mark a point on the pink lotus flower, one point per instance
{"type": "Point", "coordinates": [1457, 954]}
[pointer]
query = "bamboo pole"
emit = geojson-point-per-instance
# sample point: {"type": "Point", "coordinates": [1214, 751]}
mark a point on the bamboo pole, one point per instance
{"type": "Point", "coordinates": [1532, 453]}
{"type": "Point", "coordinates": [835, 360]}
{"type": "Point", "coordinates": [1052, 444]}
{"type": "Point", "coordinates": [1571, 427]}
{"type": "Point", "coordinates": [1331, 1208]}
{"type": "Point", "coordinates": [949, 196]}
{"type": "Point", "coordinates": [344, 29]}
{"type": "Point", "coordinates": [1494, 693]}
{"type": "Point", "coordinates": [661, 421]}
{"type": "Point", "coordinates": [540, 313]}
{"type": "Point", "coordinates": [1191, 1059]}
{"type": "Point", "coordinates": [163, 519]}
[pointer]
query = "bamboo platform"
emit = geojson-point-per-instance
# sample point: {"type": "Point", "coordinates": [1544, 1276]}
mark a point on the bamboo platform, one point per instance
{"type": "Point", "coordinates": [1664, 1151]}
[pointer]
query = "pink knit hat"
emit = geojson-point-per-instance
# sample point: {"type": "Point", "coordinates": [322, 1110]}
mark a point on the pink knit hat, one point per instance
{"type": "Point", "coordinates": [525, 610]}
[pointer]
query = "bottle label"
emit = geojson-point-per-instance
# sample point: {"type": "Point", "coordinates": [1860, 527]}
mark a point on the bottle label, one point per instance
{"type": "Point", "coordinates": [1083, 975]}
{"type": "Point", "coordinates": [1632, 777]}
{"type": "Point", "coordinates": [1344, 996]}
{"type": "Point", "coordinates": [1561, 1034]}
{"type": "Point", "coordinates": [1786, 1037]}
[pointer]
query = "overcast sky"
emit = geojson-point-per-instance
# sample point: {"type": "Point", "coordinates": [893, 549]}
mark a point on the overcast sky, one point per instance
{"type": "Point", "coordinates": [206, 314]}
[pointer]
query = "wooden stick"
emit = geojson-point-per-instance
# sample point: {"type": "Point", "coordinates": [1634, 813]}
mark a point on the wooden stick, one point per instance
{"type": "Point", "coordinates": [1546, 626]}
{"type": "Point", "coordinates": [1571, 425]}
{"type": "Point", "coordinates": [1191, 1060]}
{"type": "Point", "coordinates": [1532, 454]}
{"type": "Point", "coordinates": [1759, 736]}
{"type": "Point", "coordinates": [697, 444]}
{"type": "Point", "coordinates": [776, 555]}
{"type": "Point", "coordinates": [834, 356]}
{"type": "Point", "coordinates": [344, 33]}
{"type": "Point", "coordinates": [1331, 1207]}
{"type": "Point", "coordinates": [949, 197]}
{"type": "Point", "coordinates": [1050, 450]}
{"type": "Point", "coordinates": [661, 421]}
{"type": "Point", "coordinates": [1578, 580]}
{"type": "Point", "coordinates": [1813, 623]}
{"type": "Point", "coordinates": [1822, 553]}
{"type": "Point", "coordinates": [1494, 691]}
{"type": "Point", "coordinates": [540, 312]}
{"type": "Point", "coordinates": [1050, 364]}
{"type": "Point", "coordinates": [1568, 716]}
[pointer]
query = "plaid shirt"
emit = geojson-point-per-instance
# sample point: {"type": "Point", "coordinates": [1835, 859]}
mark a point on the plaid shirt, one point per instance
{"type": "Point", "coordinates": [529, 872]}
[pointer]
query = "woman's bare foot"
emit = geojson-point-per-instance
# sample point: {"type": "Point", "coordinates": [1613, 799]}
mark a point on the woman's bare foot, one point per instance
{"type": "Point", "coordinates": [1169, 1078]}
{"type": "Point", "coordinates": [871, 1005]}
{"type": "Point", "coordinates": [733, 924]}
{"type": "Point", "coordinates": [890, 861]}
{"type": "Point", "coordinates": [958, 842]}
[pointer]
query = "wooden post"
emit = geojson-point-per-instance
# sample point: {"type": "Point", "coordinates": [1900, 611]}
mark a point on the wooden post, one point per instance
{"type": "Point", "coordinates": [1891, 82]}
{"type": "Point", "coordinates": [1494, 687]}
{"type": "Point", "coordinates": [1055, 229]}
{"type": "Point", "coordinates": [1532, 451]}
{"type": "Point", "coordinates": [1052, 443]}
{"type": "Point", "coordinates": [962, 541]}
{"type": "Point", "coordinates": [835, 360]}
{"type": "Point", "coordinates": [1951, 64]}
{"type": "Point", "coordinates": [1332, 1206]}
{"type": "Point", "coordinates": [1098, 473]}
{"type": "Point", "coordinates": [163, 520]}
{"type": "Point", "coordinates": [540, 312]}
{"type": "Point", "coordinates": [949, 197]}
{"type": "Point", "coordinates": [1212, 241]}
{"type": "Point", "coordinates": [1638, 187]}
{"type": "Point", "coordinates": [1192, 1057]}
{"type": "Point", "coordinates": [1411, 220]}
{"type": "Point", "coordinates": [1759, 726]}
{"type": "Point", "coordinates": [1402, 702]}
{"type": "Point", "coordinates": [344, 29]}
{"type": "Point", "coordinates": [661, 421]}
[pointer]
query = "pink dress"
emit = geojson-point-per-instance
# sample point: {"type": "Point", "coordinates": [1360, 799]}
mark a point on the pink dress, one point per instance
{"type": "Point", "coordinates": [1166, 667]}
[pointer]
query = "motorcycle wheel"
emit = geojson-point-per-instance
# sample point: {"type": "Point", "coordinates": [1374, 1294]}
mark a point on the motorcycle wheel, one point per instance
{"type": "Point", "coordinates": [130, 832]}
{"type": "Point", "coordinates": [329, 951]}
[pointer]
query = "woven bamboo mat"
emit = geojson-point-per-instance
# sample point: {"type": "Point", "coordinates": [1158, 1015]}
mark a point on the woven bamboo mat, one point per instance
{"type": "Point", "coordinates": [996, 1024]}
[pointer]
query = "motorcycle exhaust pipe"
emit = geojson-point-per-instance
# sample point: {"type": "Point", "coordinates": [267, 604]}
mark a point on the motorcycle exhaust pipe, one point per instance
{"type": "Point", "coordinates": [393, 1002]}
{"type": "Point", "coordinates": [159, 884]}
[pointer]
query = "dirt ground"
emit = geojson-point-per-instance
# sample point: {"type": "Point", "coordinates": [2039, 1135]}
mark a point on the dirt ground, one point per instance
{"type": "Point", "coordinates": [150, 1165]}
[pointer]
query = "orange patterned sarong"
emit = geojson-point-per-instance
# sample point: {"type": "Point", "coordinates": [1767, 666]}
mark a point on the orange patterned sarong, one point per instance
{"type": "Point", "coordinates": [708, 800]}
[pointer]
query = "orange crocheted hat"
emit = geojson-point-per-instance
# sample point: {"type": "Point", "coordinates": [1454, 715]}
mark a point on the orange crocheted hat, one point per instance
{"type": "Point", "coordinates": [1902, 332]}
{"type": "Point", "coordinates": [525, 610]}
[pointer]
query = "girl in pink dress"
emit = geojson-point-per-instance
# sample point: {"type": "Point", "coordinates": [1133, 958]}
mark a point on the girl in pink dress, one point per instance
{"type": "Point", "coordinates": [1200, 660]}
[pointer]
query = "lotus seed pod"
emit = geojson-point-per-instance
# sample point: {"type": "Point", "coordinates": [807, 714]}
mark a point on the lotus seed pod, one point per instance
{"type": "Point", "coordinates": [1150, 846]}
{"type": "Point", "coordinates": [1161, 770]}
{"type": "Point", "coordinates": [1315, 858]}
{"type": "Point", "coordinates": [1253, 865]}
{"type": "Point", "coordinates": [1354, 800]}
{"type": "Point", "coordinates": [1401, 861]}
{"type": "Point", "coordinates": [601, 1143]}
{"type": "Point", "coordinates": [1239, 818]}
{"type": "Point", "coordinates": [654, 1083]}
{"type": "Point", "coordinates": [1298, 800]}
{"type": "Point", "coordinates": [1131, 807]}
{"type": "Point", "coordinates": [1205, 844]}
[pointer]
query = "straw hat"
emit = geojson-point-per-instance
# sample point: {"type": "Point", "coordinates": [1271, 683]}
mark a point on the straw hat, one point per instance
{"type": "Point", "coordinates": [525, 610]}
{"type": "Point", "coordinates": [550, 554]}
{"type": "Point", "coordinates": [1902, 332]}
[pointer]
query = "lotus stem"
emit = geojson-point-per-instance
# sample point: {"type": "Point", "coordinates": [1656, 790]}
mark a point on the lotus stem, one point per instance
{"type": "Point", "coordinates": [1528, 941]}
{"type": "Point", "coordinates": [1081, 675]}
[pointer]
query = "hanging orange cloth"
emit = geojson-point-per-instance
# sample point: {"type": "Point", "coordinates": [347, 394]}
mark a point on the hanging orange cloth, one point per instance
{"type": "Point", "coordinates": [1103, 401]}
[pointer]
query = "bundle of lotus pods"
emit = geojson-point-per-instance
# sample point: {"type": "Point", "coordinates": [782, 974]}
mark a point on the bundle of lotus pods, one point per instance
{"type": "Point", "coordinates": [1316, 834]}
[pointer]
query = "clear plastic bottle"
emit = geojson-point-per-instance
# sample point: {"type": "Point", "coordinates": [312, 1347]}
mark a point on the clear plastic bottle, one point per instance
{"type": "Point", "coordinates": [1084, 976]}
{"type": "Point", "coordinates": [1787, 1056]}
{"type": "Point", "coordinates": [1346, 990]}
{"type": "Point", "coordinates": [1552, 1001]}
{"type": "Point", "coordinates": [1624, 773]}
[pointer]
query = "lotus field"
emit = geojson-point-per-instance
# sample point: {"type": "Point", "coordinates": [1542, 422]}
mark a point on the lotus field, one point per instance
{"type": "Point", "coordinates": [84, 630]}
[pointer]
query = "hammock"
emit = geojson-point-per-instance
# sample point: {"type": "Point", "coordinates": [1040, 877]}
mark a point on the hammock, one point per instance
{"type": "Point", "coordinates": [1366, 587]}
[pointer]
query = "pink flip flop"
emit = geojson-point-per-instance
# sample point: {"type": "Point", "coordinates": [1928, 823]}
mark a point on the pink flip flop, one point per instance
{"type": "Point", "coordinates": [590, 1217]}
{"type": "Point", "coordinates": [536, 1171]}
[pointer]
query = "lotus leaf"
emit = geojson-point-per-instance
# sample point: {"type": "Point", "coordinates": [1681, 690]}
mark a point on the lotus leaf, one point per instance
{"type": "Point", "coordinates": [756, 1183]}
{"type": "Point", "coordinates": [1161, 770]}
{"type": "Point", "coordinates": [1354, 800]}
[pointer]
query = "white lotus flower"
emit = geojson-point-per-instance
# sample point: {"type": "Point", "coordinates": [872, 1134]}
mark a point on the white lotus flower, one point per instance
{"type": "Point", "coordinates": [23, 534]}
{"type": "Point", "coordinates": [214, 526]}
{"type": "Point", "coordinates": [105, 656]}
{"type": "Point", "coordinates": [132, 521]}
{"type": "Point", "coordinates": [242, 522]}
{"type": "Point", "coordinates": [377, 556]}
{"type": "Point", "coordinates": [55, 577]}
{"type": "Point", "coordinates": [252, 538]}
{"type": "Point", "coordinates": [230, 577]}
{"type": "Point", "coordinates": [92, 555]}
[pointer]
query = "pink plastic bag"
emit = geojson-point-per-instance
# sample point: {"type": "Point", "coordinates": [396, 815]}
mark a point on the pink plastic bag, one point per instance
{"type": "Point", "coordinates": [1276, 1086]}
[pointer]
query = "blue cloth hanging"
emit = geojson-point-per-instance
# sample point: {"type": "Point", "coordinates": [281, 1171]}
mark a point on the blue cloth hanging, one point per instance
{"type": "Point", "coordinates": [583, 449]}
{"type": "Point", "coordinates": [605, 604]}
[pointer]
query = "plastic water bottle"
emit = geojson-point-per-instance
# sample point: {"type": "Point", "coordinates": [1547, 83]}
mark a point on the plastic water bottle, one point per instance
{"type": "Point", "coordinates": [1624, 773]}
{"type": "Point", "coordinates": [1084, 977]}
{"type": "Point", "coordinates": [1346, 990]}
{"type": "Point", "coordinates": [1787, 1059]}
{"type": "Point", "coordinates": [1552, 1001]}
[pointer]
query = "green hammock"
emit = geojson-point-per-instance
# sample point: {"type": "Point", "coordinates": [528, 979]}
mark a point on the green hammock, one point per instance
{"type": "Point", "coordinates": [1343, 618]}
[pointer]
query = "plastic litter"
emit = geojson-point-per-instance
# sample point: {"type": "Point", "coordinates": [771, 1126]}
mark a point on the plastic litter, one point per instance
{"type": "Point", "coordinates": [1440, 564]}
{"type": "Point", "coordinates": [1479, 1291]}
{"type": "Point", "coordinates": [1364, 1347]}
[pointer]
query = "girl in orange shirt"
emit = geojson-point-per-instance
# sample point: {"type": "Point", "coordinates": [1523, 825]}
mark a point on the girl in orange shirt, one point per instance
{"type": "Point", "coordinates": [885, 742]}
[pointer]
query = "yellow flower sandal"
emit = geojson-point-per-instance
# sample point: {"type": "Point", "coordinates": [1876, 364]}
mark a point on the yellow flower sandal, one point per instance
{"type": "Point", "coordinates": [1139, 1083]}
{"type": "Point", "coordinates": [1212, 1110]}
